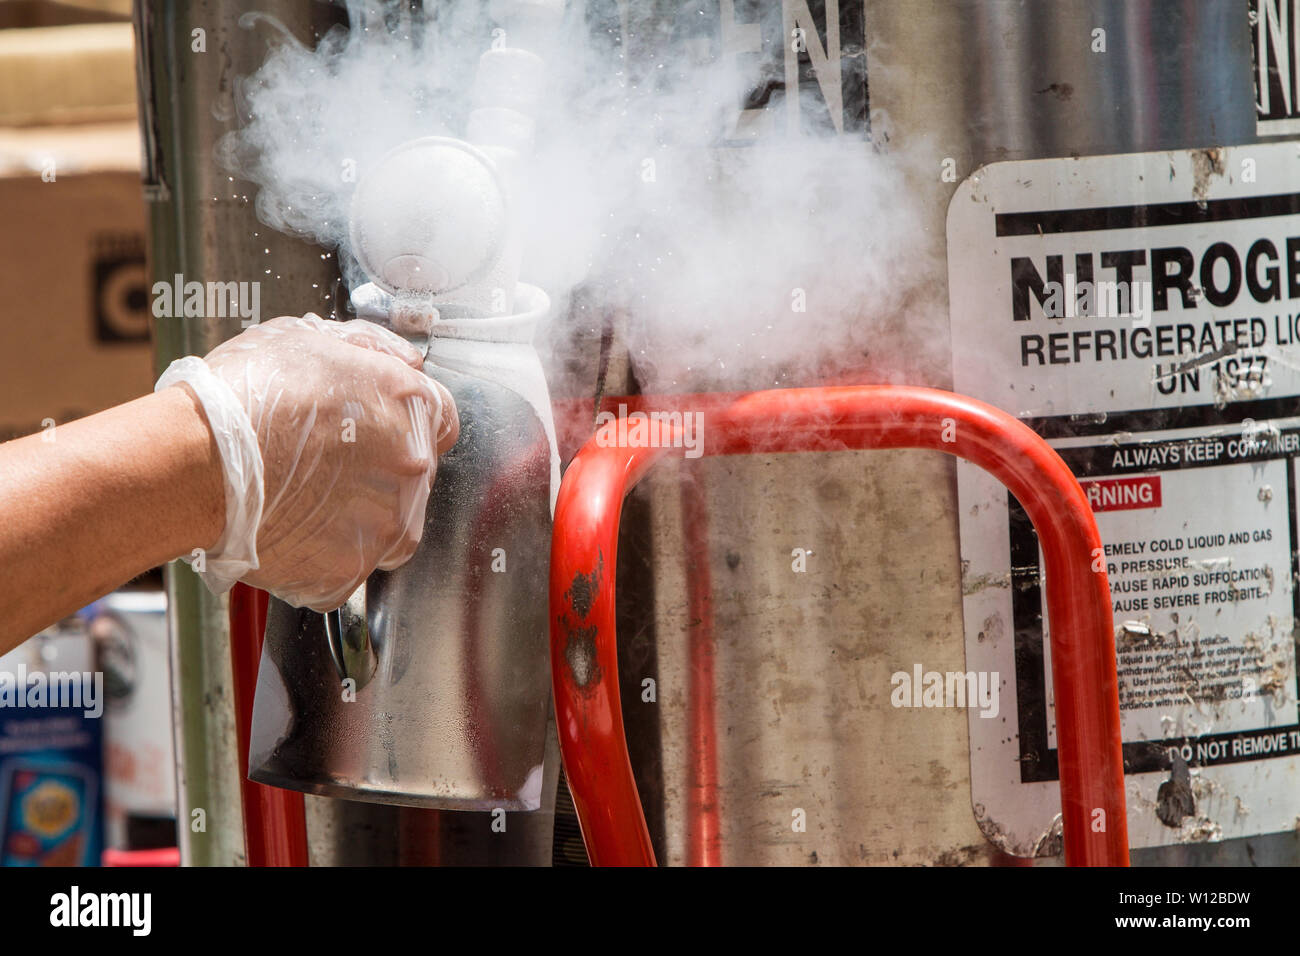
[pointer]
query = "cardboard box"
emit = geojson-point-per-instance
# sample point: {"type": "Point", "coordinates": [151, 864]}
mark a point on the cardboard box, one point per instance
{"type": "Point", "coordinates": [54, 13]}
{"type": "Point", "coordinates": [74, 316]}
{"type": "Point", "coordinates": [69, 74]}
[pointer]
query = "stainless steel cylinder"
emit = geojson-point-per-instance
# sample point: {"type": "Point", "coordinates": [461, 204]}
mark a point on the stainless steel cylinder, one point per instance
{"type": "Point", "coordinates": [802, 659]}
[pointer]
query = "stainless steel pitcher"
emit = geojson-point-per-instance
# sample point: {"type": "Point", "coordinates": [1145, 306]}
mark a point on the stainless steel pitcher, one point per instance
{"type": "Point", "coordinates": [430, 687]}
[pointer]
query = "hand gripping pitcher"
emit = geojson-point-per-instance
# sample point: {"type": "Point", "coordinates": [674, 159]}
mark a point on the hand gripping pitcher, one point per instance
{"type": "Point", "coordinates": [430, 687]}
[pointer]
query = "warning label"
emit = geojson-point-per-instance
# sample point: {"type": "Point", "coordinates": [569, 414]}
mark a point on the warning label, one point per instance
{"type": "Point", "coordinates": [1142, 313]}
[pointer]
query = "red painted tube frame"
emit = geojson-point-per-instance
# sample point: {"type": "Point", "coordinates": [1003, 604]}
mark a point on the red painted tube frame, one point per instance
{"type": "Point", "coordinates": [275, 825]}
{"type": "Point", "coordinates": [164, 856]}
{"type": "Point", "coordinates": [584, 554]}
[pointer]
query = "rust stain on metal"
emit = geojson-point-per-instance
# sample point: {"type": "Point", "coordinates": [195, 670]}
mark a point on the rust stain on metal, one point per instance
{"type": "Point", "coordinates": [1062, 91]}
{"type": "Point", "coordinates": [971, 855]}
{"type": "Point", "coordinates": [580, 656]}
{"type": "Point", "coordinates": [581, 595]}
{"type": "Point", "coordinates": [580, 642]}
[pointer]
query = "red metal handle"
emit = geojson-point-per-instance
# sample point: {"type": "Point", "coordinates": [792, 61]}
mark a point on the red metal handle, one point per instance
{"type": "Point", "coordinates": [584, 552]}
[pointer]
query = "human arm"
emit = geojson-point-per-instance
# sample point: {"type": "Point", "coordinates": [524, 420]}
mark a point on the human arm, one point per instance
{"type": "Point", "coordinates": [342, 428]}
{"type": "Point", "coordinates": [91, 504]}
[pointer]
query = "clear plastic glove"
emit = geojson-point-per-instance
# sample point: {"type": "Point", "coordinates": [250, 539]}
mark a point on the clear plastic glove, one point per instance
{"type": "Point", "coordinates": [329, 436]}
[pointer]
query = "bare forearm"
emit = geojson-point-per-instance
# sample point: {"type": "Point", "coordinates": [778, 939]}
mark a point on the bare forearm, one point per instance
{"type": "Point", "coordinates": [97, 501]}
